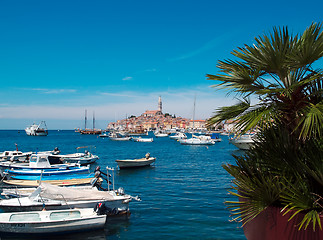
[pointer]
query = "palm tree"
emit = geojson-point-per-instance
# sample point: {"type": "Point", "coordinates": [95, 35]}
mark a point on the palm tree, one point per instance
{"type": "Point", "coordinates": [279, 70]}
{"type": "Point", "coordinates": [284, 169]}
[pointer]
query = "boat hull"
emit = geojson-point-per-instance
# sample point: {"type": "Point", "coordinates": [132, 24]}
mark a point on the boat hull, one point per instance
{"type": "Point", "coordinates": [195, 142]}
{"type": "Point", "coordinates": [46, 224]}
{"type": "Point", "coordinates": [133, 163]}
{"type": "Point", "coordinates": [35, 183]}
{"type": "Point", "coordinates": [119, 205]}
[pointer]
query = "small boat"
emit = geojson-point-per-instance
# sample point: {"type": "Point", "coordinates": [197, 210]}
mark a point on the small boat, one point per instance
{"type": "Point", "coordinates": [115, 136]}
{"type": "Point", "coordinates": [38, 161]}
{"type": "Point", "coordinates": [55, 198]}
{"type": "Point", "coordinates": [48, 171]}
{"type": "Point", "coordinates": [49, 176]}
{"type": "Point", "coordinates": [58, 182]}
{"type": "Point", "coordinates": [159, 133]}
{"type": "Point", "coordinates": [131, 163]}
{"type": "Point", "coordinates": [56, 221]}
{"type": "Point", "coordinates": [243, 142]}
{"type": "Point", "coordinates": [37, 130]}
{"type": "Point", "coordinates": [196, 140]}
{"type": "Point", "coordinates": [82, 158]}
{"type": "Point", "coordinates": [178, 135]}
{"type": "Point", "coordinates": [104, 135]}
{"type": "Point", "coordinates": [14, 155]}
{"type": "Point", "coordinates": [140, 139]}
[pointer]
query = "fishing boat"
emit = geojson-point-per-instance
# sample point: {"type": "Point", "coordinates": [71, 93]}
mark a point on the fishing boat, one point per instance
{"type": "Point", "coordinates": [38, 161]}
{"type": "Point", "coordinates": [132, 163]}
{"type": "Point", "coordinates": [84, 158]}
{"type": "Point", "coordinates": [140, 139]}
{"type": "Point", "coordinates": [56, 221]}
{"type": "Point", "coordinates": [37, 129]}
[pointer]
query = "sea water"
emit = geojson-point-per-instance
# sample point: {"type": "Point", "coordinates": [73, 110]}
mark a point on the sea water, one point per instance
{"type": "Point", "coordinates": [182, 194]}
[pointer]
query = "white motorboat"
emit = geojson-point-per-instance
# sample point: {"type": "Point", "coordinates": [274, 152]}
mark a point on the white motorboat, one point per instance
{"type": "Point", "coordinates": [38, 161]}
{"type": "Point", "coordinates": [57, 221]}
{"type": "Point", "coordinates": [37, 130]}
{"type": "Point", "coordinates": [196, 140]}
{"type": "Point", "coordinates": [178, 135]}
{"type": "Point", "coordinates": [243, 142]}
{"type": "Point", "coordinates": [104, 135]}
{"type": "Point", "coordinates": [141, 162]}
{"type": "Point", "coordinates": [54, 197]}
{"type": "Point", "coordinates": [14, 155]}
{"type": "Point", "coordinates": [159, 133]}
{"type": "Point", "coordinates": [115, 136]}
{"type": "Point", "coordinates": [140, 139]}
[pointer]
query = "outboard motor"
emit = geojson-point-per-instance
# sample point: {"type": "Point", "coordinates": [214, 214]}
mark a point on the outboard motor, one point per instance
{"type": "Point", "coordinates": [100, 208]}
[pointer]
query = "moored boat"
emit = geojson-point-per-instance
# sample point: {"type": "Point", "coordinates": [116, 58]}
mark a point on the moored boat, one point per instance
{"type": "Point", "coordinates": [84, 158]}
{"type": "Point", "coordinates": [116, 136]}
{"type": "Point", "coordinates": [140, 139]}
{"type": "Point", "coordinates": [196, 140]}
{"type": "Point", "coordinates": [131, 163]}
{"type": "Point", "coordinates": [243, 142]}
{"type": "Point", "coordinates": [54, 197]}
{"type": "Point", "coordinates": [59, 182]}
{"type": "Point", "coordinates": [56, 221]}
{"type": "Point", "coordinates": [178, 135]}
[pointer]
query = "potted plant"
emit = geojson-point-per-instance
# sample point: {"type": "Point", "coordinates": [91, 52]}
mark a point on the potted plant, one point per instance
{"type": "Point", "coordinates": [280, 179]}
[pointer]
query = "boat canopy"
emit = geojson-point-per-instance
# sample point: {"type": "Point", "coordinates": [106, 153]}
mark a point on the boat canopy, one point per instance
{"type": "Point", "coordinates": [70, 194]}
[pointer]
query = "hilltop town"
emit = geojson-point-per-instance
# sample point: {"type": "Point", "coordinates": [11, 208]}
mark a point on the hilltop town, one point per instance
{"type": "Point", "coordinates": [156, 119]}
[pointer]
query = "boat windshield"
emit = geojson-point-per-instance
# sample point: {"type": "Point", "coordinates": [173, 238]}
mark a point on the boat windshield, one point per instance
{"type": "Point", "coordinates": [65, 215]}
{"type": "Point", "coordinates": [33, 159]}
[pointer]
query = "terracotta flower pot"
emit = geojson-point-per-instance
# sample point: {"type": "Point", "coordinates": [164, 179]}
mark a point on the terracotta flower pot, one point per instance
{"type": "Point", "coordinates": [272, 225]}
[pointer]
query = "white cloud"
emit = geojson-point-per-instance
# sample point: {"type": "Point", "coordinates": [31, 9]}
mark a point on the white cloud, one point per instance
{"type": "Point", "coordinates": [127, 78]}
{"type": "Point", "coordinates": [50, 91]}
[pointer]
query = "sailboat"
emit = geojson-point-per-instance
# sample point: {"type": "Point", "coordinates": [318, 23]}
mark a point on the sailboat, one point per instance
{"type": "Point", "coordinates": [92, 131]}
{"type": "Point", "coordinates": [196, 140]}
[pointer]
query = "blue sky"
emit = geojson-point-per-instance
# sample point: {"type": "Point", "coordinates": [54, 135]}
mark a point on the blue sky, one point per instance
{"type": "Point", "coordinates": [114, 58]}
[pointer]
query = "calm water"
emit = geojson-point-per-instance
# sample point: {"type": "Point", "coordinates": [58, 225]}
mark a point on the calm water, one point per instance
{"type": "Point", "coordinates": [182, 195]}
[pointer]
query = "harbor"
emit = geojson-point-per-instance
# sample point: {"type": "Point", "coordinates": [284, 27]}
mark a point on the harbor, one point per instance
{"type": "Point", "coordinates": [182, 193]}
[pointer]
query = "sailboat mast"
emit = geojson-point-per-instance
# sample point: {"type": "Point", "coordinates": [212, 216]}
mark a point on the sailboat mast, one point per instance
{"type": "Point", "coordinates": [93, 120]}
{"type": "Point", "coordinates": [194, 111]}
{"type": "Point", "coordinates": [85, 119]}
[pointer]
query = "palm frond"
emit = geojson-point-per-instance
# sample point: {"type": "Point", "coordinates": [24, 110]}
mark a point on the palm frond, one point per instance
{"type": "Point", "coordinates": [231, 112]}
{"type": "Point", "coordinates": [311, 121]}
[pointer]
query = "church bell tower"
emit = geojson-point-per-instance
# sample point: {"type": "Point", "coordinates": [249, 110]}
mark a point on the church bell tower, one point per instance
{"type": "Point", "coordinates": [160, 105]}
